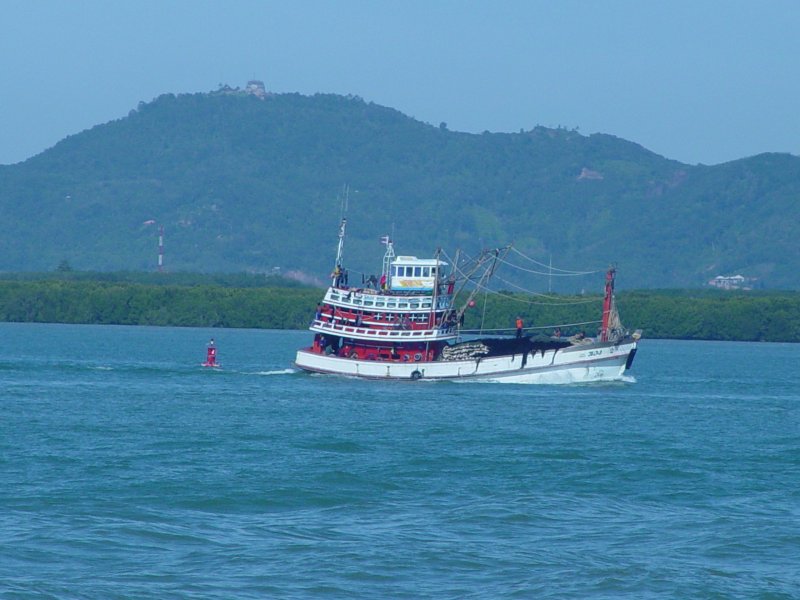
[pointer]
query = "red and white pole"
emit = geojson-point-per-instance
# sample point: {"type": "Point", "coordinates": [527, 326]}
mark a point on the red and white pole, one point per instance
{"type": "Point", "coordinates": [160, 248]}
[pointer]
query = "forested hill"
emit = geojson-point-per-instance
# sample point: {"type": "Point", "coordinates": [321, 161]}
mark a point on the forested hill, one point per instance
{"type": "Point", "coordinates": [242, 183]}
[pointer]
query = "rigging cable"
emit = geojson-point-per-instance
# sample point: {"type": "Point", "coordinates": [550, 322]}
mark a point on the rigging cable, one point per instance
{"type": "Point", "coordinates": [561, 303]}
{"type": "Point", "coordinates": [566, 271]}
{"type": "Point", "coordinates": [488, 291]}
{"type": "Point", "coordinates": [532, 303]}
{"type": "Point", "coordinates": [535, 272]}
{"type": "Point", "coordinates": [536, 327]}
{"type": "Point", "coordinates": [521, 300]}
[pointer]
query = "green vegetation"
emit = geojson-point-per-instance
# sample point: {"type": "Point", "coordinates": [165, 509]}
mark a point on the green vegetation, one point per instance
{"type": "Point", "coordinates": [242, 184]}
{"type": "Point", "coordinates": [666, 314]}
{"type": "Point", "coordinates": [109, 303]}
{"type": "Point", "coordinates": [238, 280]}
{"type": "Point", "coordinates": [773, 317]}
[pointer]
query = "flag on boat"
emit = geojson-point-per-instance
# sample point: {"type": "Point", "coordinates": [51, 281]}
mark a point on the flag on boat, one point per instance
{"type": "Point", "coordinates": [385, 239]}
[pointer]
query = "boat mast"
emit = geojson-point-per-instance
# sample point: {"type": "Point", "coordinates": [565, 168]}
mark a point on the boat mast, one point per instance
{"type": "Point", "coordinates": [387, 260]}
{"type": "Point", "coordinates": [436, 283]}
{"type": "Point", "coordinates": [608, 303]}
{"type": "Point", "coordinates": [337, 267]}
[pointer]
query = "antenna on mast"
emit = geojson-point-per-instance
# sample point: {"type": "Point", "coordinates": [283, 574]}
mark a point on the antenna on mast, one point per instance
{"type": "Point", "coordinates": [345, 199]}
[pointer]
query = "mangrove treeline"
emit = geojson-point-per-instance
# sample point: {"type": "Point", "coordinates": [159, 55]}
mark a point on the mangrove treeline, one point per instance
{"type": "Point", "coordinates": [697, 315]}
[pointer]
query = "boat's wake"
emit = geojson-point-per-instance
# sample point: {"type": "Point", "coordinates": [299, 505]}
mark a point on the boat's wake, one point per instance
{"type": "Point", "coordinates": [555, 378]}
{"type": "Point", "coordinates": [277, 372]}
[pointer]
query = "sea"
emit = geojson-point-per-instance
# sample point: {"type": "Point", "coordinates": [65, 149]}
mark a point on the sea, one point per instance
{"type": "Point", "coordinates": [128, 470]}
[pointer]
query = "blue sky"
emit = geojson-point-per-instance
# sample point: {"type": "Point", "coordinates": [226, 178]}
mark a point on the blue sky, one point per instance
{"type": "Point", "coordinates": [697, 81]}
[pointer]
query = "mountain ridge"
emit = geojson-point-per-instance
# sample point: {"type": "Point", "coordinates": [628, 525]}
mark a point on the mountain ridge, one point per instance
{"type": "Point", "coordinates": [242, 183]}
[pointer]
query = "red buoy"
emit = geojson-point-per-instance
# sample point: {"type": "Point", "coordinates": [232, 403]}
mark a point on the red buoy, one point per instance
{"type": "Point", "coordinates": [211, 355]}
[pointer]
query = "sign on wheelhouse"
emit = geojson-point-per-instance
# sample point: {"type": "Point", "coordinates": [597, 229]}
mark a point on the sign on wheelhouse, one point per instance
{"type": "Point", "coordinates": [406, 326]}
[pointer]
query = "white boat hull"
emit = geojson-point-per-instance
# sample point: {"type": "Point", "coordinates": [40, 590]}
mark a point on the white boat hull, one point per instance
{"type": "Point", "coordinates": [575, 364]}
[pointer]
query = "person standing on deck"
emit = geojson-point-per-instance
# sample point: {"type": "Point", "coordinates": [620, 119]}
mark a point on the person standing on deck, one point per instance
{"type": "Point", "coordinates": [519, 325]}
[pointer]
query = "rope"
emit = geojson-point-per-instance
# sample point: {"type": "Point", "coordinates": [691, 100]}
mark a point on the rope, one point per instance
{"type": "Point", "coordinates": [531, 292]}
{"type": "Point", "coordinates": [513, 329]}
{"type": "Point", "coordinates": [543, 273]}
{"type": "Point", "coordinates": [523, 301]}
{"type": "Point", "coordinates": [563, 272]}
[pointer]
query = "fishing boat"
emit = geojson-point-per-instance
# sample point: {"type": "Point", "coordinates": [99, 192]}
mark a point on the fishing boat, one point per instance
{"type": "Point", "coordinates": [407, 326]}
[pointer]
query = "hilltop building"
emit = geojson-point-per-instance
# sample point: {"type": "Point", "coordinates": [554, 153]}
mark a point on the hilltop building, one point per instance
{"type": "Point", "coordinates": [256, 88]}
{"type": "Point", "coordinates": [734, 282]}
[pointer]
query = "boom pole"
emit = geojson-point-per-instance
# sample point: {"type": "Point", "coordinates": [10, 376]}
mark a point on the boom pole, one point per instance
{"type": "Point", "coordinates": [608, 303]}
